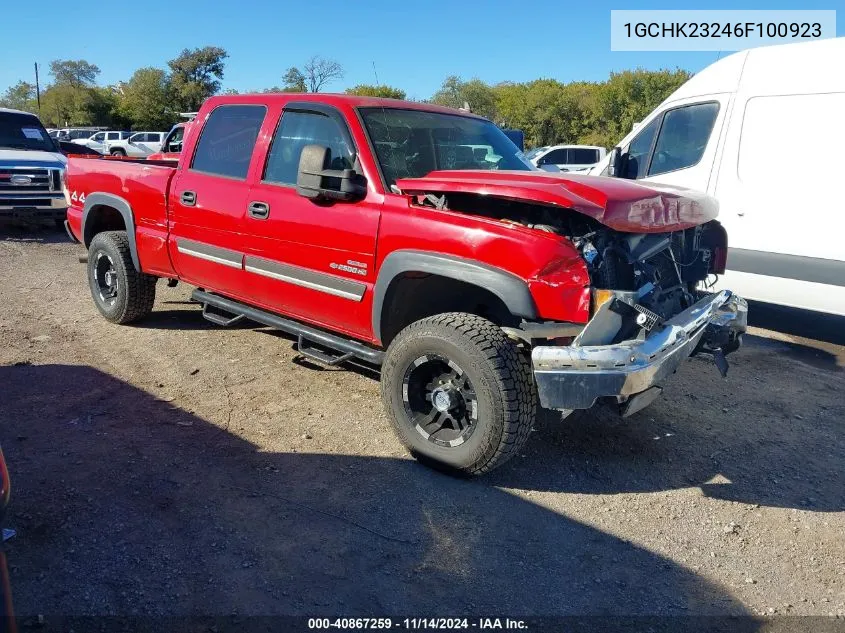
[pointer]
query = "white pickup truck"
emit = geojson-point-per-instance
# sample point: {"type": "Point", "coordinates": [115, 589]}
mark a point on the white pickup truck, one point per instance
{"type": "Point", "coordinates": [32, 170]}
{"type": "Point", "coordinates": [139, 145]}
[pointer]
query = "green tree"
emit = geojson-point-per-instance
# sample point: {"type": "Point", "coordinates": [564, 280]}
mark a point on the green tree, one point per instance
{"type": "Point", "coordinates": [455, 92]}
{"type": "Point", "coordinates": [368, 90]}
{"type": "Point", "coordinates": [144, 100]}
{"type": "Point", "coordinates": [74, 72]}
{"type": "Point", "coordinates": [21, 96]}
{"type": "Point", "coordinates": [195, 75]}
{"type": "Point", "coordinates": [63, 105]}
{"type": "Point", "coordinates": [627, 97]}
{"type": "Point", "coordinates": [293, 80]}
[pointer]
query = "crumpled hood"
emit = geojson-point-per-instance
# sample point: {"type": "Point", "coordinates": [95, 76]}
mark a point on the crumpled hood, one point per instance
{"type": "Point", "coordinates": [623, 205]}
{"type": "Point", "coordinates": [31, 158]}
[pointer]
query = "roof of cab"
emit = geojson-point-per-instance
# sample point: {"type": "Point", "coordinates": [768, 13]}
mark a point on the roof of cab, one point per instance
{"type": "Point", "coordinates": [11, 111]}
{"type": "Point", "coordinates": [331, 99]}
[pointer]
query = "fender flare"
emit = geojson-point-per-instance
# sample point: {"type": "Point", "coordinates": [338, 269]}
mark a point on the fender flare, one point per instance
{"type": "Point", "coordinates": [121, 206]}
{"type": "Point", "coordinates": [512, 290]}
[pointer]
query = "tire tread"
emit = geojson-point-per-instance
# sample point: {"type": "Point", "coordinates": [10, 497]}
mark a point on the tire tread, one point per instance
{"type": "Point", "coordinates": [512, 371]}
{"type": "Point", "coordinates": [140, 287]}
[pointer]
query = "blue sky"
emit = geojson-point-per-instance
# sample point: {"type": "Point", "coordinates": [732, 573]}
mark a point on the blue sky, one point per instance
{"type": "Point", "coordinates": [414, 45]}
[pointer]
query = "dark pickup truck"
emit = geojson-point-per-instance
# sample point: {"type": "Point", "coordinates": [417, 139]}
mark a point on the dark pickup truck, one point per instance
{"type": "Point", "coordinates": [418, 239]}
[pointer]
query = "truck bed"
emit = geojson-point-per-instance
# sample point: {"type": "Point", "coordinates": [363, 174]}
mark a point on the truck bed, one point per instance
{"type": "Point", "coordinates": [141, 184]}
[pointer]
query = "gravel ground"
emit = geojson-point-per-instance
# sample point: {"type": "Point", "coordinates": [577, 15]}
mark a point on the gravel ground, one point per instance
{"type": "Point", "coordinates": [177, 468]}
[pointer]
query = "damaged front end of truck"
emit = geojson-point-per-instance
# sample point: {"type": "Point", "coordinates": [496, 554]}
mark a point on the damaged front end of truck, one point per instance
{"type": "Point", "coordinates": [649, 255]}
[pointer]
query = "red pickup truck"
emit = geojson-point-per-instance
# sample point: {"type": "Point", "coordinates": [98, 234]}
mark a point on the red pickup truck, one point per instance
{"type": "Point", "coordinates": [419, 239]}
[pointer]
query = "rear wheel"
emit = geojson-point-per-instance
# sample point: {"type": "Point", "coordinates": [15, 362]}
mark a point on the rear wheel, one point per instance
{"type": "Point", "coordinates": [117, 152]}
{"type": "Point", "coordinates": [120, 292]}
{"type": "Point", "coordinates": [459, 393]}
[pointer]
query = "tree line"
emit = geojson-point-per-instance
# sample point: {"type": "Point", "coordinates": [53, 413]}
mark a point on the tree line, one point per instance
{"type": "Point", "coordinates": [547, 110]}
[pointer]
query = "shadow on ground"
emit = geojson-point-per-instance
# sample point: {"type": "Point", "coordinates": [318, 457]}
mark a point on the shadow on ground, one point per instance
{"type": "Point", "coordinates": [26, 231]}
{"type": "Point", "coordinates": [127, 505]}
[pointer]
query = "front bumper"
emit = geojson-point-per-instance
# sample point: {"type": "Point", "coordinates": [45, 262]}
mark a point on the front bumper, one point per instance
{"type": "Point", "coordinates": [633, 372]}
{"type": "Point", "coordinates": [47, 206]}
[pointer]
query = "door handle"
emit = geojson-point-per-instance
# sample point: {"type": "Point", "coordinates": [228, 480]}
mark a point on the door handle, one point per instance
{"type": "Point", "coordinates": [259, 210]}
{"type": "Point", "coordinates": [188, 198]}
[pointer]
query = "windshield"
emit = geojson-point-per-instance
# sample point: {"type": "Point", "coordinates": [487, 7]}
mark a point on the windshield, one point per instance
{"type": "Point", "coordinates": [23, 131]}
{"type": "Point", "coordinates": [531, 154]}
{"type": "Point", "coordinates": [412, 143]}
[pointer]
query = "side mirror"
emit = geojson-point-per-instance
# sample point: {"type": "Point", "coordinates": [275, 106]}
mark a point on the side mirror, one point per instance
{"type": "Point", "coordinates": [614, 163]}
{"type": "Point", "coordinates": [314, 181]}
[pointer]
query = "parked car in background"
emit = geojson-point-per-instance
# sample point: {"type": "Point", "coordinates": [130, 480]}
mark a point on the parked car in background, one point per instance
{"type": "Point", "coordinates": [100, 140]}
{"type": "Point", "coordinates": [138, 145]}
{"type": "Point", "coordinates": [75, 133]}
{"type": "Point", "coordinates": [417, 238]}
{"type": "Point", "coordinates": [727, 132]}
{"type": "Point", "coordinates": [571, 158]}
{"type": "Point", "coordinates": [172, 145]}
{"type": "Point", "coordinates": [31, 169]}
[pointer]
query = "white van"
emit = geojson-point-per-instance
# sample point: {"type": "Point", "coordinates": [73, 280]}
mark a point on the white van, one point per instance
{"type": "Point", "coordinates": [763, 131]}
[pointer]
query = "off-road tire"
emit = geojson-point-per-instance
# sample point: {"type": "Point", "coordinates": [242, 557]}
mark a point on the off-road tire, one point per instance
{"type": "Point", "coordinates": [135, 291]}
{"type": "Point", "coordinates": [500, 373]}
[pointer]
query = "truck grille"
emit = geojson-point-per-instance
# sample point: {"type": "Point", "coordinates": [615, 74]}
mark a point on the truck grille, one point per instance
{"type": "Point", "coordinates": [27, 180]}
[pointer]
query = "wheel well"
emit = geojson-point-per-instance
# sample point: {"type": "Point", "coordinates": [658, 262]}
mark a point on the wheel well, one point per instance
{"type": "Point", "coordinates": [102, 218]}
{"type": "Point", "coordinates": [412, 296]}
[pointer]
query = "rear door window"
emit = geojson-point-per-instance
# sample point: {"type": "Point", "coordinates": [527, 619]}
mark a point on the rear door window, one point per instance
{"type": "Point", "coordinates": [582, 156]}
{"type": "Point", "coordinates": [227, 140]}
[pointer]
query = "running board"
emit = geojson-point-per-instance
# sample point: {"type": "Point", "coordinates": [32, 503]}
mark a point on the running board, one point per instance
{"type": "Point", "coordinates": [346, 348]}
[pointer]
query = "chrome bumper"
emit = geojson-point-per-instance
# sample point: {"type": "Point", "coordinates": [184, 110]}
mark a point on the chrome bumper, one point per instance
{"type": "Point", "coordinates": [49, 205]}
{"type": "Point", "coordinates": [574, 377]}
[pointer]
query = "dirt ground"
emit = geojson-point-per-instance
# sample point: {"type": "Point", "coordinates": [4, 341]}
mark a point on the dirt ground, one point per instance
{"type": "Point", "coordinates": [178, 468]}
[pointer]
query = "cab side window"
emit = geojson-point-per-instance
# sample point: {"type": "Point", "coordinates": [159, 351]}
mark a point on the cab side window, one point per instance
{"type": "Point", "coordinates": [674, 140]}
{"type": "Point", "coordinates": [683, 137]}
{"type": "Point", "coordinates": [227, 140]}
{"type": "Point", "coordinates": [174, 142]}
{"type": "Point", "coordinates": [636, 158]}
{"type": "Point", "coordinates": [298, 129]}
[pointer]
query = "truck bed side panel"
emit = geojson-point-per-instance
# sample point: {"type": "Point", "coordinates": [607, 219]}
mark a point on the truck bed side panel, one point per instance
{"type": "Point", "coordinates": [144, 186]}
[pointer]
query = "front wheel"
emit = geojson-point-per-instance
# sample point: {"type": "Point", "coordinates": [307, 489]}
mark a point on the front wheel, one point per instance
{"type": "Point", "coordinates": [459, 393]}
{"type": "Point", "coordinates": [117, 152]}
{"type": "Point", "coordinates": [120, 292]}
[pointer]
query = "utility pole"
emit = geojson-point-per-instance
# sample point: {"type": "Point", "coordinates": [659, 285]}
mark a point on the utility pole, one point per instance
{"type": "Point", "coordinates": [37, 90]}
